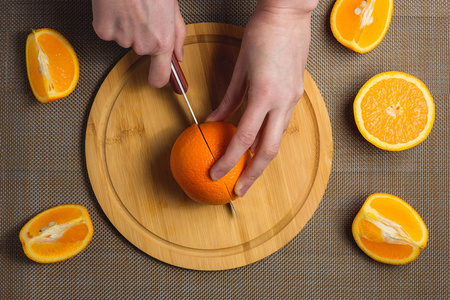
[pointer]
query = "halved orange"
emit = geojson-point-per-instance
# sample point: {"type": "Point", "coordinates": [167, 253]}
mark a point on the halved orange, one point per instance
{"type": "Point", "coordinates": [394, 111]}
{"type": "Point", "coordinates": [52, 65]}
{"type": "Point", "coordinates": [359, 24]}
{"type": "Point", "coordinates": [389, 230]}
{"type": "Point", "coordinates": [57, 234]}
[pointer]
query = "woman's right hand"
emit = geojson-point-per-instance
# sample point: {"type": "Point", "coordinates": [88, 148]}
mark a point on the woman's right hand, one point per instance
{"type": "Point", "coordinates": [150, 27]}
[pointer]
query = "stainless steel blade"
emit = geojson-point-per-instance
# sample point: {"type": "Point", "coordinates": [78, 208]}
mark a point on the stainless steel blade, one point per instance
{"type": "Point", "coordinates": [231, 202]}
{"type": "Point", "coordinates": [196, 122]}
{"type": "Point", "coordinates": [184, 94]}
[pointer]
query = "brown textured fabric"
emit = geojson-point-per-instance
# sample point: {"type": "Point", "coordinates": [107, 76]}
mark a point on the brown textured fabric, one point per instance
{"type": "Point", "coordinates": [42, 164]}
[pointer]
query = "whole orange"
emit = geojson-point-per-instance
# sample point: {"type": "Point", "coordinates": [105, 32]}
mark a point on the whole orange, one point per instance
{"type": "Point", "coordinates": [191, 161]}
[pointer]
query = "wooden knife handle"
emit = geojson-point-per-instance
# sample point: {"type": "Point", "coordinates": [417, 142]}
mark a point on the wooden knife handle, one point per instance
{"type": "Point", "coordinates": [180, 74]}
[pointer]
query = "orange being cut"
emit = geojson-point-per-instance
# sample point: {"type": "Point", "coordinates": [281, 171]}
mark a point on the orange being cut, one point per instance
{"type": "Point", "coordinates": [52, 65]}
{"type": "Point", "coordinates": [394, 111]}
{"type": "Point", "coordinates": [191, 161]}
{"type": "Point", "coordinates": [389, 230]}
{"type": "Point", "coordinates": [57, 234]}
{"type": "Point", "coordinates": [359, 24]}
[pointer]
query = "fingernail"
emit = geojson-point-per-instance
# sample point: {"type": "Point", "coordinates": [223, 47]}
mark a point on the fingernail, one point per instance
{"type": "Point", "coordinates": [243, 190]}
{"type": "Point", "coordinates": [217, 175]}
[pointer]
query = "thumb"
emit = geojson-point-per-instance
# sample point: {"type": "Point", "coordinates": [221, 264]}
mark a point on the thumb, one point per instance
{"type": "Point", "coordinates": [159, 72]}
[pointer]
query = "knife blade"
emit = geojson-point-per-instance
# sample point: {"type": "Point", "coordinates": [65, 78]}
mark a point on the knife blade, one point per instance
{"type": "Point", "coordinates": [180, 85]}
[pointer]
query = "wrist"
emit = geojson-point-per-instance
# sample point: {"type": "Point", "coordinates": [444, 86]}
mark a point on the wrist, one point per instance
{"type": "Point", "coordinates": [287, 9]}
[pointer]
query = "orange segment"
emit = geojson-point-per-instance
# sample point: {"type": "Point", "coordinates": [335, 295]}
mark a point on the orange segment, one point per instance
{"type": "Point", "coordinates": [388, 251]}
{"type": "Point", "coordinates": [359, 24]}
{"type": "Point", "coordinates": [394, 111]}
{"type": "Point", "coordinates": [57, 234]}
{"type": "Point", "coordinates": [370, 231]}
{"type": "Point", "coordinates": [52, 65]}
{"type": "Point", "coordinates": [404, 216]}
{"type": "Point", "coordinates": [60, 216]}
{"type": "Point", "coordinates": [34, 76]}
{"type": "Point", "coordinates": [61, 64]}
{"type": "Point", "coordinates": [389, 230]}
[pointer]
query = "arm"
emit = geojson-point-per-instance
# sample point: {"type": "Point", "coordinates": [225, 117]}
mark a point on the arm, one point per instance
{"type": "Point", "coordinates": [151, 27]}
{"type": "Point", "coordinates": [272, 62]}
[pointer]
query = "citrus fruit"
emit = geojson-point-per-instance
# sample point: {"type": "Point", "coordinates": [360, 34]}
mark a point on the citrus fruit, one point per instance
{"type": "Point", "coordinates": [57, 234]}
{"type": "Point", "coordinates": [394, 111]}
{"type": "Point", "coordinates": [360, 25]}
{"type": "Point", "coordinates": [191, 161]}
{"type": "Point", "coordinates": [389, 230]}
{"type": "Point", "coordinates": [52, 65]}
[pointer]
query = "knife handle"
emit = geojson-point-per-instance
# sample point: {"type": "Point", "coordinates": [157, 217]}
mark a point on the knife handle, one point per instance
{"type": "Point", "coordinates": [180, 74]}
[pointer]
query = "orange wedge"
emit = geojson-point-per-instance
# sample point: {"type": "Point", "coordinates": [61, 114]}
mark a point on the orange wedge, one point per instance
{"type": "Point", "coordinates": [52, 65]}
{"type": "Point", "coordinates": [359, 24]}
{"type": "Point", "coordinates": [389, 230]}
{"type": "Point", "coordinates": [57, 234]}
{"type": "Point", "coordinates": [394, 111]}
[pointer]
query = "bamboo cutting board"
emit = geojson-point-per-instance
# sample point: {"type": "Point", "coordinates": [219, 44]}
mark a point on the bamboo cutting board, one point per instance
{"type": "Point", "coordinates": [129, 136]}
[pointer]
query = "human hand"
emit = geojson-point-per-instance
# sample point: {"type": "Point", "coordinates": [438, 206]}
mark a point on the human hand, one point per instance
{"type": "Point", "coordinates": [151, 27]}
{"type": "Point", "coordinates": [271, 63]}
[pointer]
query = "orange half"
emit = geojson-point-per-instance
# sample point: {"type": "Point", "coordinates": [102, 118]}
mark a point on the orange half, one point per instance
{"type": "Point", "coordinates": [389, 230]}
{"type": "Point", "coordinates": [57, 234]}
{"type": "Point", "coordinates": [394, 111]}
{"type": "Point", "coordinates": [359, 24]}
{"type": "Point", "coordinates": [52, 65]}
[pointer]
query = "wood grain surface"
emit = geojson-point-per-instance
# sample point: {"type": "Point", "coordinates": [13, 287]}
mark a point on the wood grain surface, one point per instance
{"type": "Point", "coordinates": [129, 136]}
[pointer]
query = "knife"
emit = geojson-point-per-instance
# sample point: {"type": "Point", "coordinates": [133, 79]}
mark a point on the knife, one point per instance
{"type": "Point", "coordinates": [180, 86]}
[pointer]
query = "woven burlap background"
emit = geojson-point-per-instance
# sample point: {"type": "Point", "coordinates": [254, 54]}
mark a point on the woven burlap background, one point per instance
{"type": "Point", "coordinates": [42, 164]}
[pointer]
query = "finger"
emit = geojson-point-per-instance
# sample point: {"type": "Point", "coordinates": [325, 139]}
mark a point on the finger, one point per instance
{"type": "Point", "coordinates": [255, 144]}
{"type": "Point", "coordinates": [233, 96]}
{"type": "Point", "coordinates": [103, 31]}
{"type": "Point", "coordinates": [241, 141]}
{"type": "Point", "coordinates": [288, 118]}
{"type": "Point", "coordinates": [103, 20]}
{"type": "Point", "coordinates": [268, 149]}
{"type": "Point", "coordinates": [123, 35]}
{"type": "Point", "coordinates": [124, 39]}
{"type": "Point", "coordinates": [159, 72]}
{"type": "Point", "coordinates": [180, 33]}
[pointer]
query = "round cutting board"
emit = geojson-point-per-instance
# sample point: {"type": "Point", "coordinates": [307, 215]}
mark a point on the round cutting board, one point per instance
{"type": "Point", "coordinates": [129, 136]}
